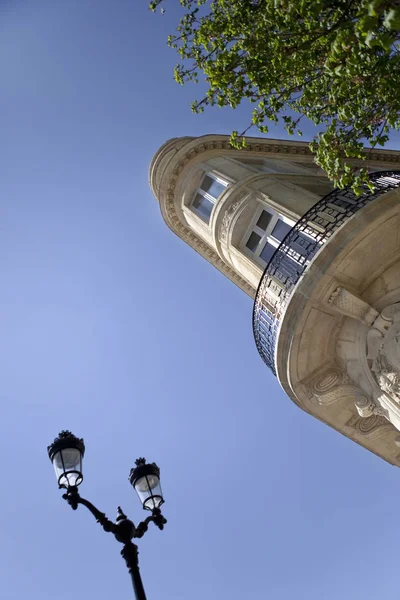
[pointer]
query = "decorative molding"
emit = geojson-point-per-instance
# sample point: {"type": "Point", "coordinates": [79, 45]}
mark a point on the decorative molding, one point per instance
{"type": "Point", "coordinates": [332, 384]}
{"type": "Point", "coordinates": [187, 235]}
{"type": "Point", "coordinates": [169, 211]}
{"type": "Point", "coordinates": [371, 427]}
{"type": "Point", "coordinates": [388, 380]}
{"type": "Point", "coordinates": [366, 407]}
{"type": "Point", "coordinates": [383, 346]}
{"type": "Point", "coordinates": [352, 306]}
{"type": "Point", "coordinates": [228, 218]}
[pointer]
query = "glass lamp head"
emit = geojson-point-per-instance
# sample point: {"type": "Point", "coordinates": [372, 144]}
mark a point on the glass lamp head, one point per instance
{"type": "Point", "coordinates": [66, 454]}
{"type": "Point", "coordinates": [145, 478]}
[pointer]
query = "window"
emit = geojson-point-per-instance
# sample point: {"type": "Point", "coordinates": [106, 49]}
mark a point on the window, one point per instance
{"type": "Point", "coordinates": [268, 232]}
{"type": "Point", "coordinates": [206, 196]}
{"type": "Point", "coordinates": [280, 230]}
{"type": "Point", "coordinates": [203, 206]}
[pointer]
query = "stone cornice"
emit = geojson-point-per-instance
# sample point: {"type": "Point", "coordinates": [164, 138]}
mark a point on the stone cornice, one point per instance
{"type": "Point", "coordinates": [168, 210]}
{"type": "Point", "coordinates": [209, 143]}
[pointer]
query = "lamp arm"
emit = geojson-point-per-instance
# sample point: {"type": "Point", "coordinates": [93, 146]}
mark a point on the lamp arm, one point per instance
{"type": "Point", "coordinates": [73, 498]}
{"type": "Point", "coordinates": [157, 518]}
{"type": "Point", "coordinates": [141, 529]}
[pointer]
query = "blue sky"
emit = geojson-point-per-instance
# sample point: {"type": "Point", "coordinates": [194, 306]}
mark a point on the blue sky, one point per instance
{"type": "Point", "coordinates": [113, 328]}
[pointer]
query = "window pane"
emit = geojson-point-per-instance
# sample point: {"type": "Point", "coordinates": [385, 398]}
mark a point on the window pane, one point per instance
{"type": "Point", "coordinates": [212, 187]}
{"type": "Point", "coordinates": [203, 207]}
{"type": "Point", "coordinates": [267, 252]}
{"type": "Point", "coordinates": [253, 241]}
{"type": "Point", "coordinates": [280, 230]}
{"type": "Point", "coordinates": [264, 220]}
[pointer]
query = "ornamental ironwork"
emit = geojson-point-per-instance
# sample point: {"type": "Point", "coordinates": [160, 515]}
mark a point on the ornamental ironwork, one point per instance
{"type": "Point", "coordinates": [298, 249]}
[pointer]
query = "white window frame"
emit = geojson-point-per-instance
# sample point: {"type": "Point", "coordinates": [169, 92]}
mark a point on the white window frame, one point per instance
{"type": "Point", "coordinates": [266, 236]}
{"type": "Point", "coordinates": [206, 195]}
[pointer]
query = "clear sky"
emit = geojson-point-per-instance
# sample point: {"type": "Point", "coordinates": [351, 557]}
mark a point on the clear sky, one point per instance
{"type": "Point", "coordinates": [114, 328]}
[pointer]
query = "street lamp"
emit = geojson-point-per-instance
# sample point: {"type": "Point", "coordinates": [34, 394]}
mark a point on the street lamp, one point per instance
{"type": "Point", "coordinates": [66, 454]}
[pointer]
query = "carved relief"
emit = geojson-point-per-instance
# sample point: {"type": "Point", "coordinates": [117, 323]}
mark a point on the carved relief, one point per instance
{"type": "Point", "coordinates": [388, 380]}
{"type": "Point", "coordinates": [332, 384]}
{"type": "Point", "coordinates": [190, 237]}
{"type": "Point", "coordinates": [352, 306]}
{"type": "Point", "coordinates": [383, 351]}
{"type": "Point", "coordinates": [366, 407]}
{"type": "Point", "coordinates": [371, 427]}
{"type": "Point", "coordinates": [182, 231]}
{"type": "Point", "coordinates": [228, 218]}
{"type": "Point", "coordinates": [172, 219]}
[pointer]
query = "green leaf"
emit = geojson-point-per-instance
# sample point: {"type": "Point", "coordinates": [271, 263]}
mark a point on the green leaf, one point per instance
{"type": "Point", "coordinates": [392, 19]}
{"type": "Point", "coordinates": [335, 62]}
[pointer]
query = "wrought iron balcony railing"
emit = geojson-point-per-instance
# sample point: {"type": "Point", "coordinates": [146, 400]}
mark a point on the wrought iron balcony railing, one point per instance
{"type": "Point", "coordinates": [298, 249]}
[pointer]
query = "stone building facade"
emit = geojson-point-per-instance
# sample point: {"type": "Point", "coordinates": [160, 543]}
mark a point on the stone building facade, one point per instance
{"type": "Point", "coordinates": [323, 266]}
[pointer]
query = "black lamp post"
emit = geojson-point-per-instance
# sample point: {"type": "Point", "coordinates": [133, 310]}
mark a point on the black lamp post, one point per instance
{"type": "Point", "coordinates": [66, 454]}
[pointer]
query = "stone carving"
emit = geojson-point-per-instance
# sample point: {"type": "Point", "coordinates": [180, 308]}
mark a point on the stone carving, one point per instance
{"type": "Point", "coordinates": [352, 306]}
{"type": "Point", "coordinates": [388, 380]}
{"type": "Point", "coordinates": [173, 221]}
{"type": "Point", "coordinates": [383, 351]}
{"type": "Point", "coordinates": [366, 407]}
{"type": "Point", "coordinates": [332, 384]}
{"type": "Point", "coordinates": [170, 215]}
{"type": "Point", "coordinates": [228, 217]}
{"type": "Point", "coordinates": [371, 427]}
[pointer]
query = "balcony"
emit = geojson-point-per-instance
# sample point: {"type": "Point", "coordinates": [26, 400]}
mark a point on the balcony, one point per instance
{"type": "Point", "coordinates": [291, 260]}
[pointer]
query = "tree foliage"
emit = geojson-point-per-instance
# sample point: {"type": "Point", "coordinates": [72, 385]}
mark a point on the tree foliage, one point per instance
{"type": "Point", "coordinates": [335, 62]}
